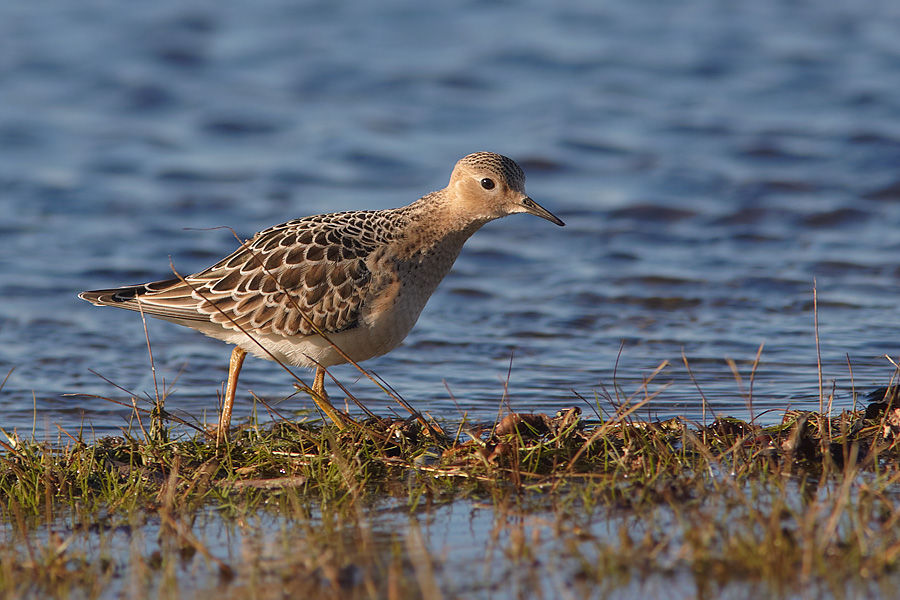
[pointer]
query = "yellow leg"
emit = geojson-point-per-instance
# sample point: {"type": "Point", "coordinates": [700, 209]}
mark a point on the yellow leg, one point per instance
{"type": "Point", "coordinates": [321, 398]}
{"type": "Point", "coordinates": [234, 369]}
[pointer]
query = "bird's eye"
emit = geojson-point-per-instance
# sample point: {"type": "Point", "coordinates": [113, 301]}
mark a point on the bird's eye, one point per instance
{"type": "Point", "coordinates": [487, 183]}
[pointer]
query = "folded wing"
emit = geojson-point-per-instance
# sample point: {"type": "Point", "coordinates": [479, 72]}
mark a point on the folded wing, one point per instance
{"type": "Point", "coordinates": [314, 267]}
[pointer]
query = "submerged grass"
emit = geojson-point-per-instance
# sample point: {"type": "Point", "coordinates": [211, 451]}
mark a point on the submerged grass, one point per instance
{"type": "Point", "coordinates": [532, 506]}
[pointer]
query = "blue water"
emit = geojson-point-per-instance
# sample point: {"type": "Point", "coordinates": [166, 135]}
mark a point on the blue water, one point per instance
{"type": "Point", "coordinates": [711, 159]}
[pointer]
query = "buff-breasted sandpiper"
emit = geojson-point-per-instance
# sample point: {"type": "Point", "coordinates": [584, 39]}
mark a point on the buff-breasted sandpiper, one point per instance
{"type": "Point", "coordinates": [361, 278]}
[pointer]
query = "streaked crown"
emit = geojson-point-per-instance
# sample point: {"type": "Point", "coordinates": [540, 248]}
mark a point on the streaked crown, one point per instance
{"type": "Point", "coordinates": [502, 165]}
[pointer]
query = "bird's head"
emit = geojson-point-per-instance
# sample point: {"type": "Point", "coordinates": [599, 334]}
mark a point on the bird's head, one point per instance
{"type": "Point", "coordinates": [489, 186]}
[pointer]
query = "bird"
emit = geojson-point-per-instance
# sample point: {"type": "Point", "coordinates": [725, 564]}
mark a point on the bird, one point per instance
{"type": "Point", "coordinates": [333, 288]}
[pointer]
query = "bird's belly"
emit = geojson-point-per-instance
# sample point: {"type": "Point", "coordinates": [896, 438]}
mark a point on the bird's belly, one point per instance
{"type": "Point", "coordinates": [370, 338]}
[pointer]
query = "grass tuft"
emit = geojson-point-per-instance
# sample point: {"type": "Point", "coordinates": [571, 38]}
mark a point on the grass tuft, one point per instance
{"type": "Point", "coordinates": [575, 505]}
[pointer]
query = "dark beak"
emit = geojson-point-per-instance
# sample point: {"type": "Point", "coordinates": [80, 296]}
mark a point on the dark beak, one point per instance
{"type": "Point", "coordinates": [537, 210]}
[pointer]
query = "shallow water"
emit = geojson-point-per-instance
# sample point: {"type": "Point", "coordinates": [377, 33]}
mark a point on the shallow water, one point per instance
{"type": "Point", "coordinates": [549, 546]}
{"type": "Point", "coordinates": [711, 162]}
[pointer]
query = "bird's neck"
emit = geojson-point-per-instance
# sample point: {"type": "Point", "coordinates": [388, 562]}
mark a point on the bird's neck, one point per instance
{"type": "Point", "coordinates": [436, 225]}
{"type": "Point", "coordinates": [441, 212]}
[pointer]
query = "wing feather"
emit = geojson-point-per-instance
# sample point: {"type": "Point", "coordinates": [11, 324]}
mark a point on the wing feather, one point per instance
{"type": "Point", "coordinates": [315, 266]}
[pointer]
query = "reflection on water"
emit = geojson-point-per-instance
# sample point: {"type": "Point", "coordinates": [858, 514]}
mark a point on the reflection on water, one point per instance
{"type": "Point", "coordinates": [710, 162]}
